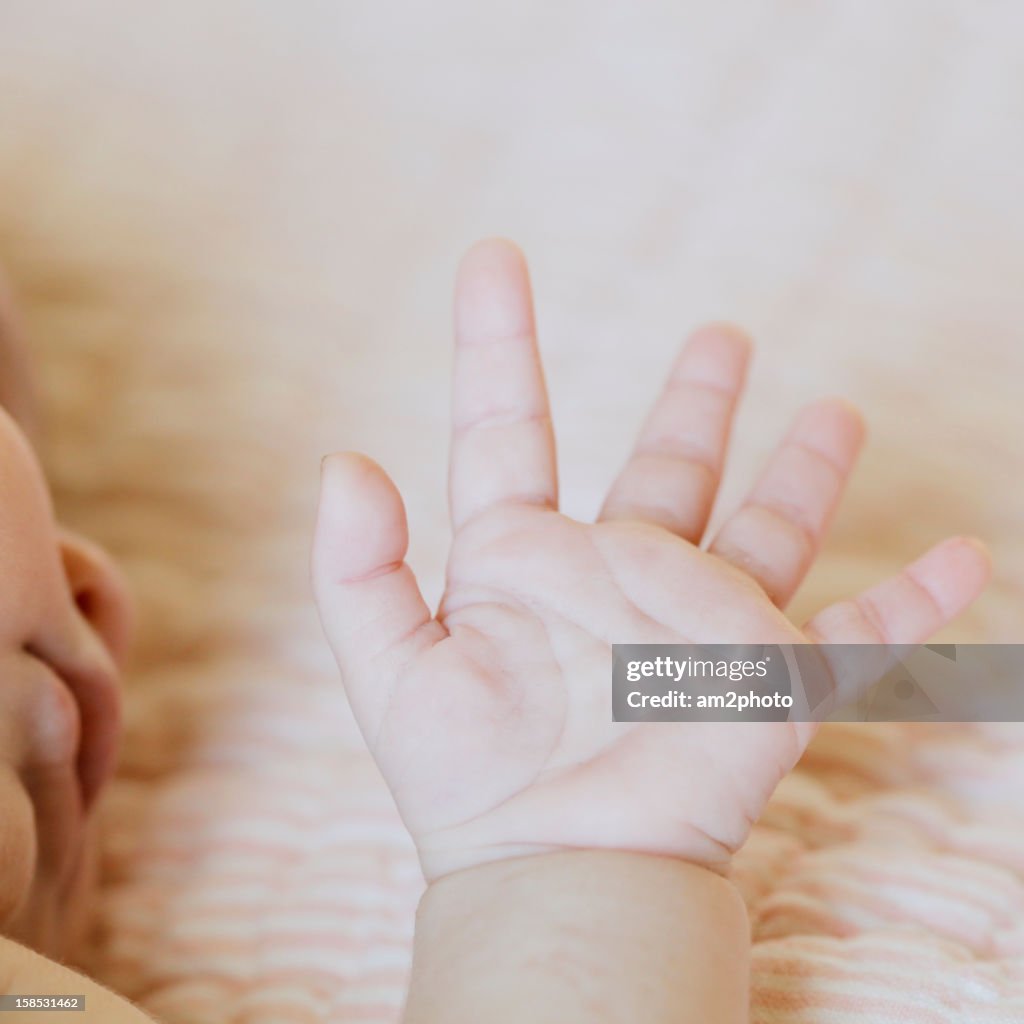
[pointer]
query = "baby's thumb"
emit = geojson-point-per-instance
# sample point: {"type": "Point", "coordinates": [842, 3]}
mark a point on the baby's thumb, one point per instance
{"type": "Point", "coordinates": [370, 605]}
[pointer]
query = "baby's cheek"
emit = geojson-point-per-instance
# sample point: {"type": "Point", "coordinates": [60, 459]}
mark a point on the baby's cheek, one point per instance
{"type": "Point", "coordinates": [17, 845]}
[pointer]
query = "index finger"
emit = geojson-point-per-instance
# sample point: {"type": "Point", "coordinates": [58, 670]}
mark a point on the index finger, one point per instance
{"type": "Point", "coordinates": [502, 447]}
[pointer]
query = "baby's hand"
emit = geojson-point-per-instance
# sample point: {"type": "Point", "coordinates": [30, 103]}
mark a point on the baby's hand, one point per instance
{"type": "Point", "coordinates": [491, 720]}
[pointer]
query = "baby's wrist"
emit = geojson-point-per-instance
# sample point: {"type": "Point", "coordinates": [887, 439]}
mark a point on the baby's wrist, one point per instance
{"type": "Point", "coordinates": [532, 867]}
{"type": "Point", "coordinates": [439, 865]}
{"type": "Point", "coordinates": [439, 858]}
{"type": "Point", "coordinates": [568, 887]}
{"type": "Point", "coordinates": [580, 925]}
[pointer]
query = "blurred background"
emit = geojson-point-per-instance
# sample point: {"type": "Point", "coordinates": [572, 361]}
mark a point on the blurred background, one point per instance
{"type": "Point", "coordinates": [233, 228]}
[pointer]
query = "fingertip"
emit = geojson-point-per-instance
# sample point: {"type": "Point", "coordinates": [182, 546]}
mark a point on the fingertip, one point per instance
{"type": "Point", "coordinates": [351, 479]}
{"type": "Point", "coordinates": [835, 427]}
{"type": "Point", "coordinates": [355, 480]}
{"type": "Point", "coordinates": [835, 409]}
{"type": "Point", "coordinates": [715, 354]}
{"type": "Point", "coordinates": [980, 548]}
{"type": "Point", "coordinates": [493, 298]}
{"type": "Point", "coordinates": [971, 556]}
{"type": "Point", "coordinates": [500, 245]}
{"type": "Point", "coordinates": [955, 572]}
{"type": "Point", "coordinates": [490, 257]}
{"type": "Point", "coordinates": [723, 335]}
{"type": "Point", "coordinates": [361, 525]}
{"type": "Point", "coordinates": [839, 408]}
{"type": "Point", "coordinates": [339, 466]}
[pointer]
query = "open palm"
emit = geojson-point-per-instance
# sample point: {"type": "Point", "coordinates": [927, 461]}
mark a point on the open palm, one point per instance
{"type": "Point", "coordinates": [491, 719]}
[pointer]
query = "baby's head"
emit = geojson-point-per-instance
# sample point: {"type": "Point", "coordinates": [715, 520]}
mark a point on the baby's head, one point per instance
{"type": "Point", "coordinates": [65, 621]}
{"type": "Point", "coordinates": [64, 618]}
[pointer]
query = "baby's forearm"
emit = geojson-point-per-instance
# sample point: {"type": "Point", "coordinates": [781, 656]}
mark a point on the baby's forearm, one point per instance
{"type": "Point", "coordinates": [581, 936]}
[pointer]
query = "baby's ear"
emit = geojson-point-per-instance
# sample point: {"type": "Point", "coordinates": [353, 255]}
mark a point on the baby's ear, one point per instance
{"type": "Point", "coordinates": [100, 592]}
